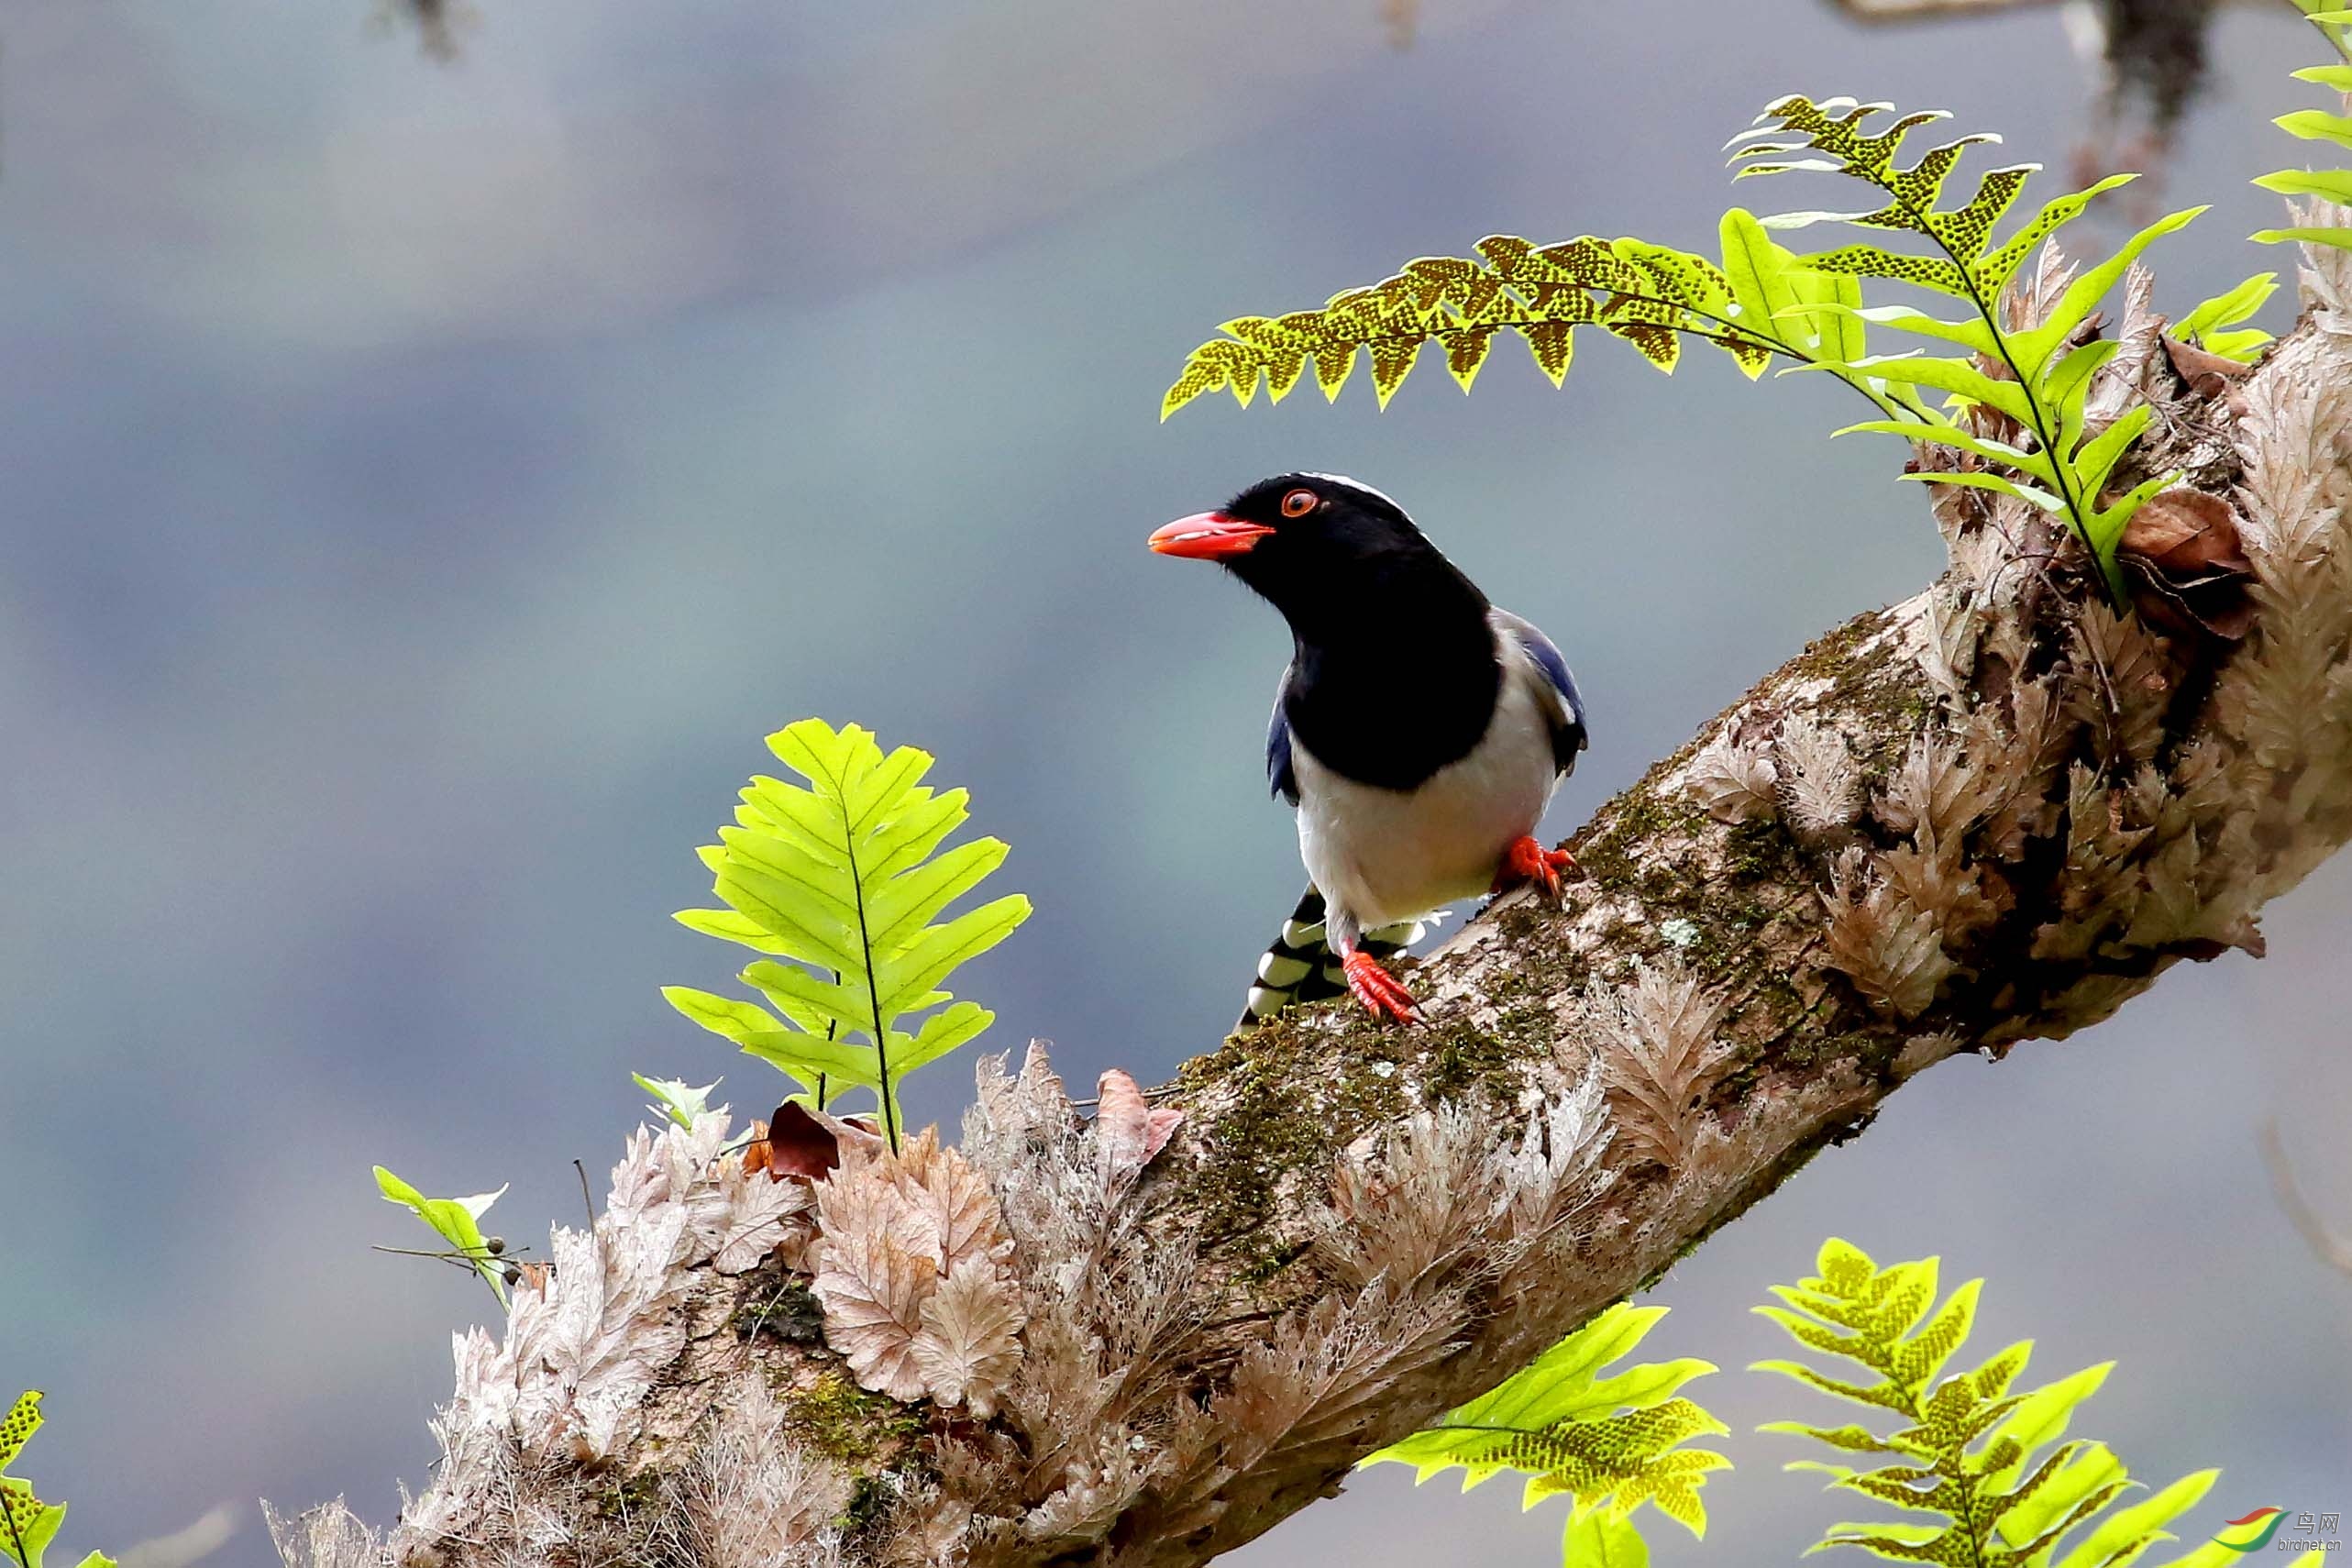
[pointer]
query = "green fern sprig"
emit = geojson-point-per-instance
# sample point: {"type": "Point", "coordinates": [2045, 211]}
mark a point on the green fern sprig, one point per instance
{"type": "Point", "coordinates": [2315, 124]}
{"type": "Point", "coordinates": [1610, 1444]}
{"type": "Point", "coordinates": [1651, 296]}
{"type": "Point", "coordinates": [28, 1525]}
{"type": "Point", "coordinates": [1968, 1447]}
{"type": "Point", "coordinates": [844, 879]}
{"type": "Point", "coordinates": [2039, 377]}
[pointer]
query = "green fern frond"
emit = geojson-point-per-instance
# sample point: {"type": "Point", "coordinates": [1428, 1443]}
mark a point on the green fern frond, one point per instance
{"type": "Point", "coordinates": [28, 1525]}
{"type": "Point", "coordinates": [1610, 1444]}
{"type": "Point", "coordinates": [2008, 1486]}
{"type": "Point", "coordinates": [845, 880]}
{"type": "Point", "coordinates": [1755, 305]}
{"type": "Point", "coordinates": [2037, 378]}
{"type": "Point", "coordinates": [457, 1220]}
{"type": "Point", "coordinates": [2208, 324]}
{"type": "Point", "coordinates": [2314, 125]}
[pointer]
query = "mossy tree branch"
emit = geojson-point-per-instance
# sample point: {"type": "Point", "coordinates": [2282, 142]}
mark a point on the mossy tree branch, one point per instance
{"type": "Point", "coordinates": [1990, 815]}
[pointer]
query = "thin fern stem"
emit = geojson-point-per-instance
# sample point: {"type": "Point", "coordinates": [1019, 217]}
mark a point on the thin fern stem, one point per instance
{"type": "Point", "coordinates": [865, 943]}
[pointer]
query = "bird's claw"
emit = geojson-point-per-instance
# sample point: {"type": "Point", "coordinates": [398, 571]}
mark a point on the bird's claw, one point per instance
{"type": "Point", "coordinates": [1381, 992]}
{"type": "Point", "coordinates": [1527, 862]}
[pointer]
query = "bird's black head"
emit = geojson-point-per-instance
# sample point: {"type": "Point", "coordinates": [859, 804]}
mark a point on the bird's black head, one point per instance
{"type": "Point", "coordinates": [1318, 547]}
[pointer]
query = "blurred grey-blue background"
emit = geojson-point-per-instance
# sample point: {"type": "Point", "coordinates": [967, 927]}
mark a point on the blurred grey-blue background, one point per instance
{"type": "Point", "coordinates": [426, 482]}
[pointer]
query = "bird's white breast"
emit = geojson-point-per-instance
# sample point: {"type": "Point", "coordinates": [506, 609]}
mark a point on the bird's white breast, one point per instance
{"type": "Point", "coordinates": [1388, 854]}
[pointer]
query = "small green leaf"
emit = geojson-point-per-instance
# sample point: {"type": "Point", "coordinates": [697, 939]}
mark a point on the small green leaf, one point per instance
{"type": "Point", "coordinates": [457, 1220]}
{"type": "Point", "coordinates": [2334, 185]}
{"type": "Point", "coordinates": [676, 1099]}
{"type": "Point", "coordinates": [2341, 238]}
{"type": "Point", "coordinates": [2316, 125]}
{"type": "Point", "coordinates": [1597, 1538]}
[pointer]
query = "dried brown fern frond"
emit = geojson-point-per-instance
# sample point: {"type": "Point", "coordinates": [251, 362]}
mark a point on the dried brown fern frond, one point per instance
{"type": "Point", "coordinates": [1659, 1057]}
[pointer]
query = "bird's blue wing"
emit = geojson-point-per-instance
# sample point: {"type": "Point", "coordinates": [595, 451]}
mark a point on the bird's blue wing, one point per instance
{"type": "Point", "coordinates": [1568, 736]}
{"type": "Point", "coordinates": [1277, 750]}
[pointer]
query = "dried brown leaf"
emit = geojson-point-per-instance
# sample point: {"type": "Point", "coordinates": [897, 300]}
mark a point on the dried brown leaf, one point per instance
{"type": "Point", "coordinates": [1128, 1131]}
{"type": "Point", "coordinates": [1887, 946]}
{"type": "Point", "coordinates": [1821, 790]}
{"type": "Point", "coordinates": [1734, 782]}
{"type": "Point", "coordinates": [969, 1341]}
{"type": "Point", "coordinates": [873, 1291]}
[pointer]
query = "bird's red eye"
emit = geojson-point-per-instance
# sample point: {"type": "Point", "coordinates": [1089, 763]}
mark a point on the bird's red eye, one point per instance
{"type": "Point", "coordinates": [1299, 503]}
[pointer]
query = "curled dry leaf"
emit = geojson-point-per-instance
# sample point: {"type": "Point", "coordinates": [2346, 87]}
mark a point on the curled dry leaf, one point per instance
{"type": "Point", "coordinates": [1128, 1131]}
{"type": "Point", "coordinates": [803, 1143]}
{"type": "Point", "coordinates": [754, 1154]}
{"type": "Point", "coordinates": [2188, 570]}
{"type": "Point", "coordinates": [2207, 373]}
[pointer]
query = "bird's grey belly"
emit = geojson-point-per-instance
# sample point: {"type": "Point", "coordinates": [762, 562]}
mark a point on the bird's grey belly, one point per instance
{"type": "Point", "coordinates": [1387, 855]}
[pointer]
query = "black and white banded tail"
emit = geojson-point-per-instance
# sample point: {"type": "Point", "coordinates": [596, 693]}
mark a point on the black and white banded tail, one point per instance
{"type": "Point", "coordinates": [1301, 967]}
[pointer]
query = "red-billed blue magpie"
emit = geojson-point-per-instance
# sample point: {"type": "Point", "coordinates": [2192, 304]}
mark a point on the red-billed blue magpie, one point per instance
{"type": "Point", "coordinates": [1420, 729]}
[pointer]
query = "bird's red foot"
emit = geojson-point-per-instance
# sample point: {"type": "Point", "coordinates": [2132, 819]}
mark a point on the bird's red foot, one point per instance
{"type": "Point", "coordinates": [1379, 991]}
{"type": "Point", "coordinates": [1526, 861]}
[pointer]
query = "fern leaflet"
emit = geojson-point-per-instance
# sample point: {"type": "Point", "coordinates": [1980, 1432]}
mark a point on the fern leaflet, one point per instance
{"type": "Point", "coordinates": [28, 1525]}
{"type": "Point", "coordinates": [2314, 124]}
{"type": "Point", "coordinates": [1610, 1443]}
{"type": "Point", "coordinates": [1970, 1447]}
{"type": "Point", "coordinates": [457, 1220]}
{"type": "Point", "coordinates": [2217, 324]}
{"type": "Point", "coordinates": [844, 880]}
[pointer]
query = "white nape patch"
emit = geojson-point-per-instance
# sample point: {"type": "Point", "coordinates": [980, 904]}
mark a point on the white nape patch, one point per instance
{"type": "Point", "coordinates": [1353, 483]}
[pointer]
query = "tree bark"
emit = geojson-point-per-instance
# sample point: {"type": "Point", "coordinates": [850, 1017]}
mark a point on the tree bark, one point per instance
{"type": "Point", "coordinates": [1992, 813]}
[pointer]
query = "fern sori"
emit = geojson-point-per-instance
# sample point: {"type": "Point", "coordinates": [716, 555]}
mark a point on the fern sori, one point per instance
{"type": "Point", "coordinates": [28, 1525]}
{"type": "Point", "coordinates": [2333, 185]}
{"type": "Point", "coordinates": [844, 880]}
{"type": "Point", "coordinates": [1651, 296]}
{"type": "Point", "coordinates": [2037, 378]}
{"type": "Point", "coordinates": [1967, 1449]}
{"type": "Point", "coordinates": [1610, 1443]}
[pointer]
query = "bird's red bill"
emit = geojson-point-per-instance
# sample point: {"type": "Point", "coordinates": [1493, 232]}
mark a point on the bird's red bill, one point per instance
{"type": "Point", "coordinates": [1208, 536]}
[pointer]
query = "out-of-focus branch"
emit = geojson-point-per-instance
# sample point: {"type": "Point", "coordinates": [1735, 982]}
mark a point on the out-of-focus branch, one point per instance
{"type": "Point", "coordinates": [2330, 1247]}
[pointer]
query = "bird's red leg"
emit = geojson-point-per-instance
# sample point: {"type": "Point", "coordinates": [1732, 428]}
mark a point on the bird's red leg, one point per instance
{"type": "Point", "coordinates": [1378, 990]}
{"type": "Point", "coordinates": [1527, 861]}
